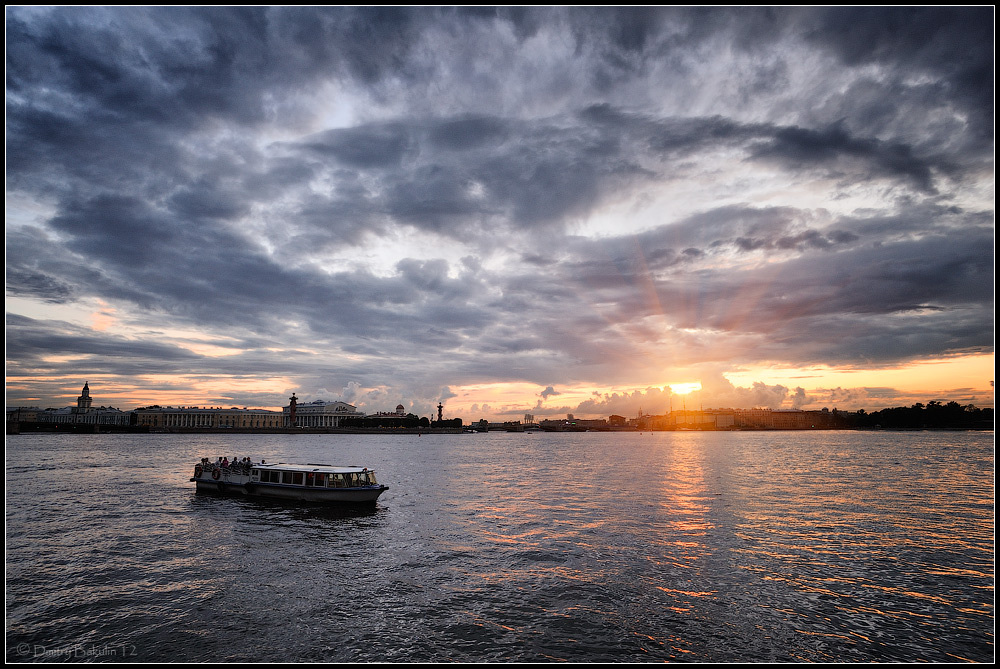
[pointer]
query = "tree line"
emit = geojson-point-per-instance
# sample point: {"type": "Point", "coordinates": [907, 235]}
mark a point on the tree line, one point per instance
{"type": "Point", "coordinates": [409, 421]}
{"type": "Point", "coordinates": [931, 415]}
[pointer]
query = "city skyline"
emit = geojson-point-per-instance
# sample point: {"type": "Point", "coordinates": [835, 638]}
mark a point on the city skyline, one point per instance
{"type": "Point", "coordinates": [509, 211]}
{"type": "Point", "coordinates": [84, 404]}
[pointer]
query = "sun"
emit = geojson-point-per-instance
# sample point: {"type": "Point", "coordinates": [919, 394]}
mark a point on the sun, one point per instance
{"type": "Point", "coordinates": [684, 388]}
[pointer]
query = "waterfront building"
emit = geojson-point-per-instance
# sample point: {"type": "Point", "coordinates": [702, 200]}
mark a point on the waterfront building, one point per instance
{"type": "Point", "coordinates": [573, 424]}
{"type": "Point", "coordinates": [84, 413]}
{"type": "Point", "coordinates": [746, 419]}
{"type": "Point", "coordinates": [320, 413]}
{"type": "Point", "coordinates": [25, 414]}
{"type": "Point", "coordinates": [95, 416]}
{"type": "Point", "coordinates": [168, 418]}
{"type": "Point", "coordinates": [400, 412]}
{"type": "Point", "coordinates": [711, 419]}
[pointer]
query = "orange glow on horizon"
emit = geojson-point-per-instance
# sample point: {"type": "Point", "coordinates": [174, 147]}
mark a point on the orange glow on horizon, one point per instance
{"type": "Point", "coordinates": [966, 380]}
{"type": "Point", "coordinates": [926, 377]}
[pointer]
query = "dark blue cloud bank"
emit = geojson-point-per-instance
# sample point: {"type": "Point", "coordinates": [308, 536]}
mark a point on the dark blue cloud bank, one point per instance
{"type": "Point", "coordinates": [409, 200]}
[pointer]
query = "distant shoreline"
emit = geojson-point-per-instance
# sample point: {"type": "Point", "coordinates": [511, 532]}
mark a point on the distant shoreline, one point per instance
{"type": "Point", "coordinates": [25, 427]}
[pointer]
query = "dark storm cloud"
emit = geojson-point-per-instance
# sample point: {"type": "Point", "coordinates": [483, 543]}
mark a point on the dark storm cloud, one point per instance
{"type": "Point", "coordinates": [233, 169]}
{"type": "Point", "coordinates": [26, 282]}
{"type": "Point", "coordinates": [684, 245]}
{"type": "Point", "coordinates": [826, 148]}
{"type": "Point", "coordinates": [562, 168]}
{"type": "Point", "coordinates": [443, 173]}
{"type": "Point", "coordinates": [470, 132]}
{"type": "Point", "coordinates": [185, 66]}
{"type": "Point", "coordinates": [30, 341]}
{"type": "Point", "coordinates": [800, 148]}
{"type": "Point", "coordinates": [378, 146]}
{"type": "Point", "coordinates": [148, 257]}
{"type": "Point", "coordinates": [838, 298]}
{"type": "Point", "coordinates": [951, 43]}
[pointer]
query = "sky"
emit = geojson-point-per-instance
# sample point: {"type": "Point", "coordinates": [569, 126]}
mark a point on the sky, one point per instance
{"type": "Point", "coordinates": [509, 211]}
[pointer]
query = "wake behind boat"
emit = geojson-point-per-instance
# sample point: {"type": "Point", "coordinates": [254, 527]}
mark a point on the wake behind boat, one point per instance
{"type": "Point", "coordinates": [302, 482]}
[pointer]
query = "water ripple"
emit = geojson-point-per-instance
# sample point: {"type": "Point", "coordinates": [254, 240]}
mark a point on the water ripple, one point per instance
{"type": "Point", "coordinates": [715, 547]}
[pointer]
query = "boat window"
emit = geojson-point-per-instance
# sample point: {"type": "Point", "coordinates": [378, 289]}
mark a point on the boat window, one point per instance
{"type": "Point", "coordinates": [270, 477]}
{"type": "Point", "coordinates": [289, 477]}
{"type": "Point", "coordinates": [336, 481]}
{"type": "Point", "coordinates": [321, 480]}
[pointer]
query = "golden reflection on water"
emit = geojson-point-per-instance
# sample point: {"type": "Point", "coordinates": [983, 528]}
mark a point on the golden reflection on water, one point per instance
{"type": "Point", "coordinates": [684, 500]}
{"type": "Point", "coordinates": [593, 526]}
{"type": "Point", "coordinates": [808, 528]}
{"type": "Point", "coordinates": [852, 533]}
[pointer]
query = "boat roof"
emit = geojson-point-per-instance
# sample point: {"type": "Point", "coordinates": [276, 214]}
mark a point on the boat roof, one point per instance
{"type": "Point", "coordinates": [312, 467]}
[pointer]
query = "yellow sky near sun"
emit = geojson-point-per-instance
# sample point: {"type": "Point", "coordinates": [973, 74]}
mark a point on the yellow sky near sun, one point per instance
{"type": "Point", "coordinates": [926, 380]}
{"type": "Point", "coordinates": [932, 376]}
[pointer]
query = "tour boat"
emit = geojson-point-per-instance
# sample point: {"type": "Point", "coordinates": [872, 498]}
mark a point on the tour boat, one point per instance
{"type": "Point", "coordinates": [306, 483]}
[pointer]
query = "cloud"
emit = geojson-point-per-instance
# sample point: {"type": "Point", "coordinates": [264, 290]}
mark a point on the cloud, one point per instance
{"type": "Point", "coordinates": [361, 198]}
{"type": "Point", "coordinates": [549, 392]}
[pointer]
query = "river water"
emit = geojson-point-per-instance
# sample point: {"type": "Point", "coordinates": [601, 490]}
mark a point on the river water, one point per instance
{"type": "Point", "coordinates": [581, 547]}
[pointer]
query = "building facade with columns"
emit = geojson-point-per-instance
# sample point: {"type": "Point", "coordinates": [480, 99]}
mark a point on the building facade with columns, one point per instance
{"type": "Point", "coordinates": [319, 413]}
{"type": "Point", "coordinates": [185, 418]}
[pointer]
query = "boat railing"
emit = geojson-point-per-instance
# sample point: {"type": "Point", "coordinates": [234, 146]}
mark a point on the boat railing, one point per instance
{"type": "Point", "coordinates": [242, 468]}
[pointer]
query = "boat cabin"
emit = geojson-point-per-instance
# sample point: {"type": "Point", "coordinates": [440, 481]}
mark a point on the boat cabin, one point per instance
{"type": "Point", "coordinates": [313, 476]}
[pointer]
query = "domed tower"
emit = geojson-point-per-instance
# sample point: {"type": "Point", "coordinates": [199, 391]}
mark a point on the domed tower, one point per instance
{"type": "Point", "coordinates": [400, 410]}
{"type": "Point", "coordinates": [83, 402]}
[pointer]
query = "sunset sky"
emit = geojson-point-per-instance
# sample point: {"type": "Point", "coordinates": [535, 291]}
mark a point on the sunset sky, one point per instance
{"type": "Point", "coordinates": [510, 211]}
